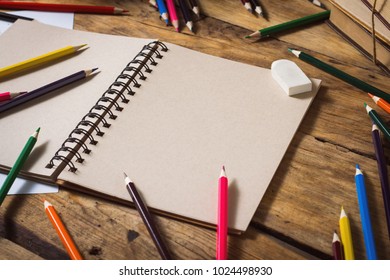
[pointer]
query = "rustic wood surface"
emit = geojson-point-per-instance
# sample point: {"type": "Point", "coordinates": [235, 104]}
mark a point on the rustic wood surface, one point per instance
{"type": "Point", "coordinates": [300, 210]}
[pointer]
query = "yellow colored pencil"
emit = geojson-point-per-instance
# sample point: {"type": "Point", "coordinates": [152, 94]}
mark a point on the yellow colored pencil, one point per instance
{"type": "Point", "coordinates": [346, 236]}
{"type": "Point", "coordinates": [36, 61]}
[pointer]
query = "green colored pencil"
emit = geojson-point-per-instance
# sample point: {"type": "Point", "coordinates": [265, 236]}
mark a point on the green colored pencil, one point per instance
{"type": "Point", "coordinates": [378, 121]}
{"type": "Point", "coordinates": [18, 165]}
{"type": "Point", "coordinates": [341, 75]}
{"type": "Point", "coordinates": [290, 24]}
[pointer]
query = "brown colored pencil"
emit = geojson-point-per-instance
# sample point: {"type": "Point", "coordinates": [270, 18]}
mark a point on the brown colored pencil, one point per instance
{"type": "Point", "coordinates": [147, 219]}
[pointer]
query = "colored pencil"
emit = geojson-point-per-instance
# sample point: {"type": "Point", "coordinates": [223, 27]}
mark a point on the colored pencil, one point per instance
{"type": "Point", "coordinates": [247, 5]}
{"type": "Point", "coordinates": [5, 96]}
{"type": "Point", "coordinates": [257, 7]}
{"type": "Point", "coordinates": [383, 174]}
{"type": "Point", "coordinates": [153, 3]}
{"type": "Point", "coordinates": [340, 74]}
{"type": "Point", "coordinates": [185, 10]}
{"type": "Point", "coordinates": [381, 103]}
{"type": "Point", "coordinates": [12, 18]}
{"type": "Point", "coordinates": [222, 225]}
{"type": "Point", "coordinates": [346, 236]}
{"type": "Point", "coordinates": [39, 60]}
{"type": "Point", "coordinates": [13, 173]}
{"type": "Point", "coordinates": [265, 32]}
{"type": "Point", "coordinates": [317, 3]}
{"type": "Point", "coordinates": [337, 248]}
{"type": "Point", "coordinates": [65, 8]}
{"type": "Point", "coordinates": [365, 215]}
{"type": "Point", "coordinates": [195, 7]}
{"type": "Point", "coordinates": [62, 232]}
{"type": "Point", "coordinates": [163, 10]}
{"type": "Point", "coordinates": [46, 89]}
{"type": "Point", "coordinates": [147, 219]}
{"type": "Point", "coordinates": [173, 14]}
{"type": "Point", "coordinates": [378, 121]}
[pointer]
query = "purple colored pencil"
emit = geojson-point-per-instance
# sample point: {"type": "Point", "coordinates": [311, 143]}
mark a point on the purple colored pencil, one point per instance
{"type": "Point", "coordinates": [46, 89]}
{"type": "Point", "coordinates": [382, 170]}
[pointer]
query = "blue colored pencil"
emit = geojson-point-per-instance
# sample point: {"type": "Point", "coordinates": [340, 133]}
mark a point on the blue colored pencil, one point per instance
{"type": "Point", "coordinates": [162, 8]}
{"type": "Point", "coordinates": [365, 215]}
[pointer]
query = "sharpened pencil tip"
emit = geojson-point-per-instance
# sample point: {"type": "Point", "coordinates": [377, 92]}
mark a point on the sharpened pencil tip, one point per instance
{"type": "Point", "coordinates": [38, 129]}
{"type": "Point", "coordinates": [357, 166]}
{"type": "Point", "coordinates": [124, 174]}
{"type": "Point", "coordinates": [94, 69]}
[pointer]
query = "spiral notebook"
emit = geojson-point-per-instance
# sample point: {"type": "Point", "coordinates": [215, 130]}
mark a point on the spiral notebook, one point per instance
{"type": "Point", "coordinates": [168, 116]}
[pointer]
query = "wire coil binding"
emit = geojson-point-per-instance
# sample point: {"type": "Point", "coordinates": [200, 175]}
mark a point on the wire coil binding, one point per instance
{"type": "Point", "coordinates": [97, 116]}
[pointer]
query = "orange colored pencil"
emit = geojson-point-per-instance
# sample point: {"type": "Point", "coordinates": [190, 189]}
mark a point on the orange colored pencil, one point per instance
{"type": "Point", "coordinates": [381, 103]}
{"type": "Point", "coordinates": [62, 232]}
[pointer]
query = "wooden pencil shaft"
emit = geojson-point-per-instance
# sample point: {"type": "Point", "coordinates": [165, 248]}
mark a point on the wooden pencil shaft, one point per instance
{"type": "Point", "coordinates": [185, 10]}
{"type": "Point", "coordinates": [43, 90]}
{"type": "Point", "coordinates": [383, 174]}
{"type": "Point", "coordinates": [344, 76]}
{"type": "Point", "coordinates": [17, 166]}
{"type": "Point", "coordinates": [337, 252]}
{"type": "Point", "coordinates": [70, 8]}
{"type": "Point", "coordinates": [380, 123]}
{"type": "Point", "coordinates": [365, 217]}
{"type": "Point", "coordinates": [147, 219]}
{"type": "Point", "coordinates": [62, 232]}
{"type": "Point", "coordinates": [294, 23]}
{"type": "Point", "coordinates": [12, 18]}
{"type": "Point", "coordinates": [37, 61]}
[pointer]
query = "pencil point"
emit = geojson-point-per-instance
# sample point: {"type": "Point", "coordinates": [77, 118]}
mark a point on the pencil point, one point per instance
{"type": "Point", "coordinates": [94, 69]}
{"type": "Point", "coordinates": [223, 171]}
{"type": "Point", "coordinates": [38, 129]}
{"type": "Point", "coordinates": [357, 166]}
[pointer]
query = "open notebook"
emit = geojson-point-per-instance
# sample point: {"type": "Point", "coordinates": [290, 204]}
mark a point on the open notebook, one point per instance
{"type": "Point", "coordinates": [193, 114]}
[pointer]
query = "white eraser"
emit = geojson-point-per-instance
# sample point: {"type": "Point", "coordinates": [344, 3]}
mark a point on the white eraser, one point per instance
{"type": "Point", "coordinates": [290, 77]}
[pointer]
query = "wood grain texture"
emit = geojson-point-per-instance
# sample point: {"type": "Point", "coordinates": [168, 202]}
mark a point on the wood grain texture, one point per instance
{"type": "Point", "coordinates": [301, 207]}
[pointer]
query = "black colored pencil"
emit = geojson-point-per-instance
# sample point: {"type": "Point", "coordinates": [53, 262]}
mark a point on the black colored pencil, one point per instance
{"type": "Point", "coordinates": [147, 219]}
{"type": "Point", "coordinates": [12, 18]}
{"type": "Point", "coordinates": [257, 7]}
{"type": "Point", "coordinates": [45, 89]}
{"type": "Point", "coordinates": [195, 7]}
{"type": "Point", "coordinates": [382, 170]}
{"type": "Point", "coordinates": [185, 10]}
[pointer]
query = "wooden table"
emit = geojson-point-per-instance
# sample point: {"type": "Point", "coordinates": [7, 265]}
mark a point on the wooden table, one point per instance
{"type": "Point", "coordinates": [301, 208]}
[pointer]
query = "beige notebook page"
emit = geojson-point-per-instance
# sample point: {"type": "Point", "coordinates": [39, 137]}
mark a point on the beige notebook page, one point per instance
{"type": "Point", "coordinates": [192, 115]}
{"type": "Point", "coordinates": [362, 14]}
{"type": "Point", "coordinates": [57, 113]}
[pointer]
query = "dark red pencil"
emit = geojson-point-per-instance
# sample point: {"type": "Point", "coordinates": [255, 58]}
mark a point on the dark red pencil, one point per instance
{"type": "Point", "coordinates": [337, 248]}
{"type": "Point", "coordinates": [67, 8]}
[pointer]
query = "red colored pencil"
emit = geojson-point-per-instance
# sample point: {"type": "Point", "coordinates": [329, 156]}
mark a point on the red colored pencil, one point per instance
{"type": "Point", "coordinates": [4, 96]}
{"type": "Point", "coordinates": [222, 226]}
{"type": "Point", "coordinates": [67, 8]}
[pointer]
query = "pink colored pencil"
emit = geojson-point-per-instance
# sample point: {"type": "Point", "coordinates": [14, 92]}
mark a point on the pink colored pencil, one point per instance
{"type": "Point", "coordinates": [9, 95]}
{"type": "Point", "coordinates": [222, 226]}
{"type": "Point", "coordinates": [172, 14]}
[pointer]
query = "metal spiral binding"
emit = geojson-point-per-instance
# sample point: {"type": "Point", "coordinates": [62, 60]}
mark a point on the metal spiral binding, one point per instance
{"type": "Point", "coordinates": [105, 106]}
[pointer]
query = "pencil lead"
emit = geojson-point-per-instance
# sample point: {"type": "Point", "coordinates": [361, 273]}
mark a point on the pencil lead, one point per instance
{"type": "Point", "coordinates": [38, 129]}
{"type": "Point", "coordinates": [94, 69]}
